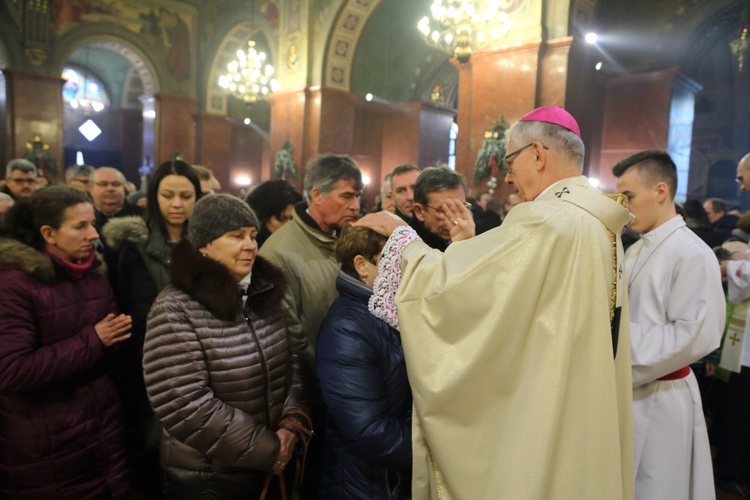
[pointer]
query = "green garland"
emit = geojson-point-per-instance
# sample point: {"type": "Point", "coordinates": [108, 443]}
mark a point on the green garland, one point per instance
{"type": "Point", "coordinates": [492, 152]}
{"type": "Point", "coordinates": [284, 165]}
{"type": "Point", "coordinates": [38, 154]}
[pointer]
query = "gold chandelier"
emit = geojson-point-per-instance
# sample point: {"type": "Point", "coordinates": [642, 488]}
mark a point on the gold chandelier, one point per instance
{"type": "Point", "coordinates": [461, 26]}
{"type": "Point", "coordinates": [249, 78]}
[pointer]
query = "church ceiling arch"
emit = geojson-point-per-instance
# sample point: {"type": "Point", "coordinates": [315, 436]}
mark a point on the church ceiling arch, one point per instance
{"type": "Point", "coordinates": [393, 62]}
{"type": "Point", "coordinates": [122, 44]}
{"type": "Point", "coordinates": [343, 41]}
{"type": "Point", "coordinates": [718, 26]}
{"type": "Point", "coordinates": [235, 39]}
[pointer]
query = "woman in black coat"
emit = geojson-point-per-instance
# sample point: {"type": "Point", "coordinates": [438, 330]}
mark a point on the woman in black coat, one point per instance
{"type": "Point", "coordinates": [360, 364]}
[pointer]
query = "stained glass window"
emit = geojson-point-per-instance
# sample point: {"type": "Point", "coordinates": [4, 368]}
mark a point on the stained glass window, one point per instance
{"type": "Point", "coordinates": [81, 90]}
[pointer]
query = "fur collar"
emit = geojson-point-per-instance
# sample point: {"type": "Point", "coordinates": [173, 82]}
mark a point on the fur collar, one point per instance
{"type": "Point", "coordinates": [125, 229]}
{"type": "Point", "coordinates": [211, 284]}
{"type": "Point", "coordinates": [36, 263]}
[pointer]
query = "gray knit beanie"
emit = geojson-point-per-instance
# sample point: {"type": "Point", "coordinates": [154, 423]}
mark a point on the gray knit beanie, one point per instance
{"type": "Point", "coordinates": [217, 214]}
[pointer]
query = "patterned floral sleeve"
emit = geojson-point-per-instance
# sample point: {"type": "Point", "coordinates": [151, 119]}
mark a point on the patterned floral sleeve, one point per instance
{"type": "Point", "coordinates": [383, 301]}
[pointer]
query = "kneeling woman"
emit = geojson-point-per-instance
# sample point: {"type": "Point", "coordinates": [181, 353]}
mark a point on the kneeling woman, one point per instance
{"type": "Point", "coordinates": [362, 373]}
{"type": "Point", "coordinates": [217, 362]}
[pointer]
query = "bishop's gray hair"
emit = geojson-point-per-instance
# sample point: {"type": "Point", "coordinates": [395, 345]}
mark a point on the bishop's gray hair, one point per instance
{"type": "Point", "coordinates": [552, 136]}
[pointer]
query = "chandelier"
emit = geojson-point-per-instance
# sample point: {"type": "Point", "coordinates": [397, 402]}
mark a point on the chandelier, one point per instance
{"type": "Point", "coordinates": [86, 92]}
{"type": "Point", "coordinates": [84, 102]}
{"type": "Point", "coordinates": [461, 26]}
{"type": "Point", "coordinates": [249, 78]}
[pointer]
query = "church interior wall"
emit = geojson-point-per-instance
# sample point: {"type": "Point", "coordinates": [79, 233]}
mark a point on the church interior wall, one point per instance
{"type": "Point", "coordinates": [318, 110]}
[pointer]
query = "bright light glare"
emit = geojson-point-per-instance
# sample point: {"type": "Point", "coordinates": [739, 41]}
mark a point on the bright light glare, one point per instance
{"type": "Point", "coordinates": [591, 38]}
{"type": "Point", "coordinates": [89, 130]}
{"type": "Point", "coordinates": [594, 182]}
{"type": "Point", "coordinates": [242, 180]}
{"type": "Point", "coordinates": [247, 121]}
{"type": "Point", "coordinates": [598, 66]}
{"type": "Point", "coordinates": [365, 180]}
{"type": "Point", "coordinates": [368, 97]}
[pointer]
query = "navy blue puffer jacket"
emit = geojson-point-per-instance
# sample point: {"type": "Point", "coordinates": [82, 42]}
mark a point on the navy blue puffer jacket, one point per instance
{"type": "Point", "coordinates": [362, 373]}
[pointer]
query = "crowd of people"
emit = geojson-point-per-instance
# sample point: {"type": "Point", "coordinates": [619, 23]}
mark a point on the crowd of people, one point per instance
{"type": "Point", "coordinates": [560, 343]}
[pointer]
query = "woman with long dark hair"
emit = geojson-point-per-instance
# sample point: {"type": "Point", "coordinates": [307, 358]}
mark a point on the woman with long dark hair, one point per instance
{"type": "Point", "coordinates": [273, 202]}
{"type": "Point", "coordinates": [62, 433]}
{"type": "Point", "coordinates": [143, 271]}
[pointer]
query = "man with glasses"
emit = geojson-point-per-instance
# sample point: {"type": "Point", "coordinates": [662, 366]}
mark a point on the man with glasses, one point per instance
{"type": "Point", "coordinates": [433, 186]}
{"type": "Point", "coordinates": [20, 179]}
{"type": "Point", "coordinates": [517, 358]}
{"type": "Point", "coordinates": [107, 190]}
{"type": "Point", "coordinates": [78, 176]}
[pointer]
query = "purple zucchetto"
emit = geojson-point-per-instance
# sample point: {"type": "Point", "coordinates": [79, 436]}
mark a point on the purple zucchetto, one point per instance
{"type": "Point", "coordinates": [554, 115]}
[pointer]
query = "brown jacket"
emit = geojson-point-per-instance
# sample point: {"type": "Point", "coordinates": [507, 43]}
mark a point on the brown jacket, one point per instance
{"type": "Point", "coordinates": [219, 383]}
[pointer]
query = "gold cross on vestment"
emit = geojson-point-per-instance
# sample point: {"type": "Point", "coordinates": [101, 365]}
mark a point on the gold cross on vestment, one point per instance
{"type": "Point", "coordinates": [734, 338]}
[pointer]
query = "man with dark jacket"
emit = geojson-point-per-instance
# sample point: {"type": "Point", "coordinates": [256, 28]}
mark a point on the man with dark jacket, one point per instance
{"type": "Point", "coordinates": [435, 185]}
{"type": "Point", "coordinates": [491, 217]}
{"type": "Point", "coordinates": [403, 179]}
{"type": "Point", "coordinates": [304, 250]}
{"type": "Point", "coordinates": [720, 220]}
{"type": "Point", "coordinates": [107, 190]}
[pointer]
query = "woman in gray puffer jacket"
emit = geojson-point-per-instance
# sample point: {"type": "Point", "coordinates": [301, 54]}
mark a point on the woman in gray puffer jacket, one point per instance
{"type": "Point", "coordinates": [217, 362]}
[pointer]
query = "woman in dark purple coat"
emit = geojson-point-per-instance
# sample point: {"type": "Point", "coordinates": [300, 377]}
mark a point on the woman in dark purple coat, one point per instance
{"type": "Point", "coordinates": [61, 428]}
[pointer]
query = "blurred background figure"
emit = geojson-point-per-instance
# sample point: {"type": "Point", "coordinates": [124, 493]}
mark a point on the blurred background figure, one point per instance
{"type": "Point", "coordinates": [138, 198]}
{"type": "Point", "coordinates": [61, 420]}
{"type": "Point", "coordinates": [209, 183]}
{"type": "Point", "coordinates": [144, 248]}
{"type": "Point", "coordinates": [5, 203]}
{"type": "Point", "coordinates": [387, 202]}
{"type": "Point", "coordinates": [719, 218]}
{"type": "Point", "coordinates": [107, 190]}
{"type": "Point", "coordinates": [79, 176]}
{"type": "Point", "coordinates": [511, 201]}
{"type": "Point", "coordinates": [697, 220]}
{"type": "Point", "coordinates": [362, 373]}
{"type": "Point", "coordinates": [491, 217]}
{"type": "Point", "coordinates": [218, 366]}
{"type": "Point", "coordinates": [20, 179]}
{"type": "Point", "coordinates": [403, 179]}
{"type": "Point", "coordinates": [273, 202]}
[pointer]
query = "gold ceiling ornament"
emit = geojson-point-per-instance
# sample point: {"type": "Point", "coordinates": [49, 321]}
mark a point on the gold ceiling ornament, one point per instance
{"type": "Point", "coordinates": [459, 27]}
{"type": "Point", "coordinates": [36, 56]}
{"type": "Point", "coordinates": [249, 78]}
